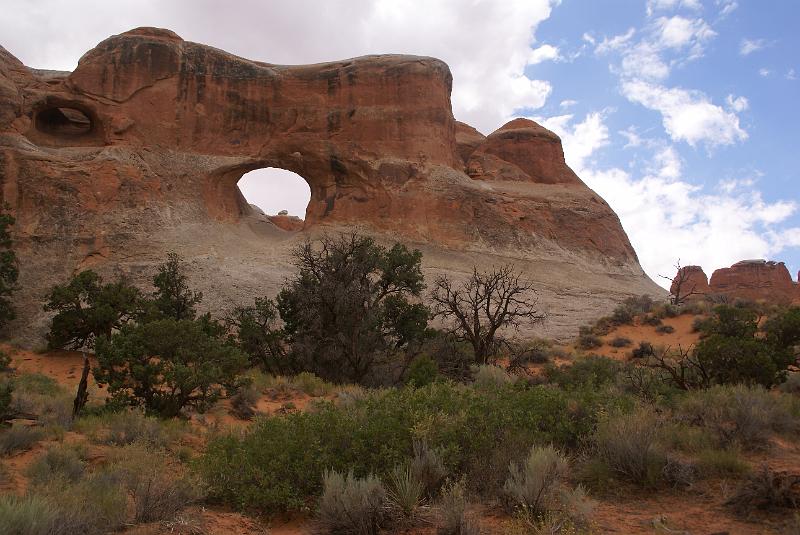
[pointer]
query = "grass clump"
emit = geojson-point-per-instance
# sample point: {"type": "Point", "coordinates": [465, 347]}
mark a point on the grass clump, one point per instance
{"type": "Point", "coordinates": [129, 426]}
{"type": "Point", "coordinates": [64, 462]}
{"type": "Point", "coordinates": [159, 489]}
{"type": "Point", "coordinates": [351, 505]}
{"type": "Point", "coordinates": [534, 485]}
{"type": "Point", "coordinates": [19, 438]}
{"type": "Point", "coordinates": [767, 490]}
{"type": "Point", "coordinates": [454, 519]}
{"type": "Point", "coordinates": [739, 415]}
{"type": "Point", "coordinates": [722, 463]}
{"type": "Point", "coordinates": [487, 375]}
{"type": "Point", "coordinates": [628, 445]}
{"type": "Point", "coordinates": [589, 341]}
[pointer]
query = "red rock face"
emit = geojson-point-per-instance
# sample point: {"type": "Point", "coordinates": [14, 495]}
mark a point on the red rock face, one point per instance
{"type": "Point", "coordinates": [139, 150]}
{"type": "Point", "coordinates": [757, 280]}
{"type": "Point", "coordinates": [689, 281]}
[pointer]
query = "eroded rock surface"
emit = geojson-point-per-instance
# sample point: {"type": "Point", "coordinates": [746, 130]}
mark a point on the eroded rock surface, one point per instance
{"type": "Point", "coordinates": [138, 152]}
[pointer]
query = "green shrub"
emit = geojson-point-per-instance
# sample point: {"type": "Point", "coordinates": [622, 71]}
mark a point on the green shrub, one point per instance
{"type": "Point", "coordinates": [792, 384]}
{"type": "Point", "coordinates": [665, 329]}
{"type": "Point", "coordinates": [166, 365]}
{"type": "Point", "coordinates": [422, 371]}
{"type": "Point", "coordinates": [653, 321]}
{"type": "Point", "coordinates": [28, 515]}
{"type": "Point", "coordinates": [620, 341]}
{"type": "Point", "coordinates": [19, 438]}
{"type": "Point", "coordinates": [536, 484]}
{"type": "Point", "coordinates": [351, 505]}
{"type": "Point", "coordinates": [628, 445]}
{"type": "Point", "coordinates": [592, 371]}
{"type": "Point", "coordinates": [278, 463]}
{"type": "Point", "coordinates": [739, 415]}
{"type": "Point", "coordinates": [603, 326]}
{"type": "Point", "coordinates": [5, 361]}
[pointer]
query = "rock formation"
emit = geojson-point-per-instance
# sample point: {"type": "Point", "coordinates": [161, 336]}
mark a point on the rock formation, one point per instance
{"type": "Point", "coordinates": [757, 280]}
{"type": "Point", "coordinates": [138, 152]}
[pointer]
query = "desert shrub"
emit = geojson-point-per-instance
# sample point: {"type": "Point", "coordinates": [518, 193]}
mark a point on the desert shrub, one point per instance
{"type": "Point", "coordinates": [589, 341]}
{"type": "Point", "coordinates": [603, 326]}
{"type": "Point", "coordinates": [738, 415]}
{"type": "Point", "coordinates": [665, 310]}
{"type": "Point", "coordinates": [129, 426]}
{"type": "Point", "coordinates": [585, 371]}
{"type": "Point", "coordinates": [310, 384]}
{"type": "Point", "coordinates": [351, 505]}
{"type": "Point", "coordinates": [700, 325]}
{"type": "Point", "coordinates": [665, 329]}
{"type": "Point", "coordinates": [792, 384]}
{"type": "Point", "coordinates": [35, 393]}
{"type": "Point", "coordinates": [350, 306]}
{"type": "Point", "coordinates": [405, 493]}
{"type": "Point", "coordinates": [628, 445]}
{"type": "Point", "coordinates": [653, 321]}
{"type": "Point", "coordinates": [454, 519]}
{"type": "Point", "coordinates": [620, 341]}
{"type": "Point", "coordinates": [158, 492]}
{"type": "Point", "coordinates": [278, 463]}
{"type": "Point", "coordinates": [535, 484]}
{"type": "Point", "coordinates": [622, 315]}
{"type": "Point", "coordinates": [19, 438]}
{"type": "Point", "coordinates": [422, 371]}
{"type": "Point", "coordinates": [427, 466]}
{"type": "Point", "coordinates": [767, 489]}
{"type": "Point", "coordinates": [487, 375]}
{"type": "Point", "coordinates": [63, 462]}
{"type": "Point", "coordinates": [6, 398]}
{"type": "Point", "coordinates": [166, 365]}
{"type": "Point", "coordinates": [722, 463]}
{"type": "Point", "coordinates": [644, 350]}
{"type": "Point", "coordinates": [243, 403]}
{"type": "Point", "coordinates": [5, 361]}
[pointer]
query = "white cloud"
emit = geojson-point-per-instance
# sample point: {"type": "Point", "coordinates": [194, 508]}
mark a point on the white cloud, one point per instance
{"type": "Point", "coordinates": [610, 44]}
{"type": "Point", "coordinates": [726, 7]}
{"type": "Point", "coordinates": [567, 103]}
{"type": "Point", "coordinates": [678, 32]}
{"type": "Point", "coordinates": [632, 137]}
{"type": "Point", "coordinates": [589, 38]}
{"type": "Point", "coordinates": [737, 104]}
{"type": "Point", "coordinates": [663, 5]}
{"type": "Point", "coordinates": [486, 44]}
{"type": "Point", "coordinates": [791, 75]}
{"type": "Point", "coordinates": [748, 46]}
{"type": "Point", "coordinates": [764, 72]}
{"type": "Point", "coordinates": [687, 115]}
{"type": "Point", "coordinates": [666, 216]}
{"type": "Point", "coordinates": [543, 53]}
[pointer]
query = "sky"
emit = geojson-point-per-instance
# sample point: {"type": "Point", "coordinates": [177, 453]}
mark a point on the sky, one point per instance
{"type": "Point", "coordinates": [682, 114]}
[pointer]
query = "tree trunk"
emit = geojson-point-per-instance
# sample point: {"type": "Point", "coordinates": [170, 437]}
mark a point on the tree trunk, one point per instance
{"type": "Point", "coordinates": [82, 395]}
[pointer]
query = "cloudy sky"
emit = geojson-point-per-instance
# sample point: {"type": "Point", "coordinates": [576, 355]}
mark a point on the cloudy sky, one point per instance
{"type": "Point", "coordinates": [682, 114]}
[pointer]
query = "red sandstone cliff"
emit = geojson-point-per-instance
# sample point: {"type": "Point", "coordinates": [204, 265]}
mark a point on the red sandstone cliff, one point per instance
{"type": "Point", "coordinates": [749, 279]}
{"type": "Point", "coordinates": [138, 152]}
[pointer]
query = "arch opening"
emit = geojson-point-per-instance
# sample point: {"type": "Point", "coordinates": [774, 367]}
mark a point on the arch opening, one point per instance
{"type": "Point", "coordinates": [280, 196]}
{"type": "Point", "coordinates": [64, 121]}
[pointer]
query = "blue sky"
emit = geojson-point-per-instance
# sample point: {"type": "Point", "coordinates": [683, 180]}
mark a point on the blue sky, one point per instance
{"type": "Point", "coordinates": [636, 67]}
{"type": "Point", "coordinates": [682, 114]}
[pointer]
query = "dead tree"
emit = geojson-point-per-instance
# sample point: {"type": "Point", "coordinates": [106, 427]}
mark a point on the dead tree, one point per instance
{"type": "Point", "coordinates": [683, 368]}
{"type": "Point", "coordinates": [477, 308]}
{"type": "Point", "coordinates": [82, 395]}
{"type": "Point", "coordinates": [677, 295]}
